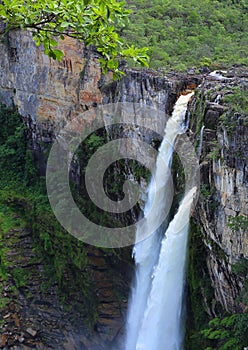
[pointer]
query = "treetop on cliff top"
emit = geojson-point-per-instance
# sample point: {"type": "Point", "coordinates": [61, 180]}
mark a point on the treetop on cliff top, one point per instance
{"type": "Point", "coordinates": [92, 21]}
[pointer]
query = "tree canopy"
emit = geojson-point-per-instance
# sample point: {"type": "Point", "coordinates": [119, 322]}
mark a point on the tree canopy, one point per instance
{"type": "Point", "coordinates": [180, 34]}
{"type": "Point", "coordinates": [183, 34]}
{"type": "Point", "coordinates": [92, 21]}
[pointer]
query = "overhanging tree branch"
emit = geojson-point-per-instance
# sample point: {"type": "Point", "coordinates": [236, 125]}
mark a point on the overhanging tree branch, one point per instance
{"type": "Point", "coordinates": [91, 21]}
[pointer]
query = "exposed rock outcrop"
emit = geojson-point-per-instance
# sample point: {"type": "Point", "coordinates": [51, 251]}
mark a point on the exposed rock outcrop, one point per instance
{"type": "Point", "coordinates": [224, 178]}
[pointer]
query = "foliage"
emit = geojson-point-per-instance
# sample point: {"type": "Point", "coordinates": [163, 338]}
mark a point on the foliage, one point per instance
{"type": "Point", "coordinates": [240, 268]}
{"type": "Point", "coordinates": [139, 171]}
{"type": "Point", "coordinates": [3, 267]}
{"type": "Point", "coordinates": [91, 21]}
{"type": "Point", "coordinates": [237, 99]}
{"type": "Point", "coordinates": [230, 332]}
{"type": "Point", "coordinates": [225, 331]}
{"type": "Point", "coordinates": [200, 289]}
{"type": "Point", "coordinates": [179, 33]}
{"type": "Point", "coordinates": [12, 140]}
{"type": "Point", "coordinates": [19, 277]}
{"type": "Point", "coordinates": [214, 152]}
{"type": "Point", "coordinates": [206, 190]}
{"type": "Point", "coordinates": [239, 222]}
{"type": "Point", "coordinates": [182, 34]}
{"type": "Point", "coordinates": [23, 195]}
{"type": "Point", "coordinates": [113, 181]}
{"type": "Point", "coordinates": [63, 257]}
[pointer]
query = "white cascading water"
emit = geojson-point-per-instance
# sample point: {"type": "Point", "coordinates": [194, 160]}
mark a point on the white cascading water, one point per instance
{"type": "Point", "coordinates": [154, 315]}
{"type": "Point", "coordinates": [162, 324]}
{"type": "Point", "coordinates": [201, 140]}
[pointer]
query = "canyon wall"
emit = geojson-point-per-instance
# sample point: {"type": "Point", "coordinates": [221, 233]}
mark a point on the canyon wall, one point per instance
{"type": "Point", "coordinates": [220, 113]}
{"type": "Point", "coordinates": [48, 94]}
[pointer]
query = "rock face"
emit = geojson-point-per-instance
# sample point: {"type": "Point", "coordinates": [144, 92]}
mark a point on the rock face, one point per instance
{"type": "Point", "coordinates": [42, 88]}
{"type": "Point", "coordinates": [223, 208]}
{"type": "Point", "coordinates": [49, 92]}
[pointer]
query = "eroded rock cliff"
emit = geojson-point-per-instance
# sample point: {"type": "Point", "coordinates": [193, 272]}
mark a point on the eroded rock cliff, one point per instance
{"type": "Point", "coordinates": [220, 119]}
{"type": "Point", "coordinates": [47, 94]}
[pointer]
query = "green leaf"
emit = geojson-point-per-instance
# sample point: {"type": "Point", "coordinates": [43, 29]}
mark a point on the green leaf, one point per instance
{"type": "Point", "coordinates": [64, 25]}
{"type": "Point", "coordinates": [58, 54]}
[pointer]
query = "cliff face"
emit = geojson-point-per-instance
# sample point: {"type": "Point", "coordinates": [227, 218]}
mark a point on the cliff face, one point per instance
{"type": "Point", "coordinates": [42, 88]}
{"type": "Point", "coordinates": [47, 94]}
{"type": "Point", "coordinates": [50, 92]}
{"type": "Point", "coordinates": [221, 108]}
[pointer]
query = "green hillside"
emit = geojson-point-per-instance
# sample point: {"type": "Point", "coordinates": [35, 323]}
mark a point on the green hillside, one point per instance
{"type": "Point", "coordinates": [182, 34]}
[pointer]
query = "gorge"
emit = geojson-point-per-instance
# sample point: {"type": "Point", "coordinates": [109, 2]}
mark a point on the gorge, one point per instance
{"type": "Point", "coordinates": [47, 93]}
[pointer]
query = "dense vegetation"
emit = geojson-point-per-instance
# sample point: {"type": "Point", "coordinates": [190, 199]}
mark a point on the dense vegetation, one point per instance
{"type": "Point", "coordinates": [23, 195]}
{"type": "Point", "coordinates": [181, 34]}
{"type": "Point", "coordinates": [225, 332]}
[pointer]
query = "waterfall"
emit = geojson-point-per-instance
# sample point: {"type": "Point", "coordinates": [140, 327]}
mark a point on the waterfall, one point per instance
{"type": "Point", "coordinates": [157, 293]}
{"type": "Point", "coordinates": [162, 324]}
{"type": "Point", "coordinates": [200, 142]}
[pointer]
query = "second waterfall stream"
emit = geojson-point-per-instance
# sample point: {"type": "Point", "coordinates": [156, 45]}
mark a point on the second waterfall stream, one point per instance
{"type": "Point", "coordinates": [155, 314]}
